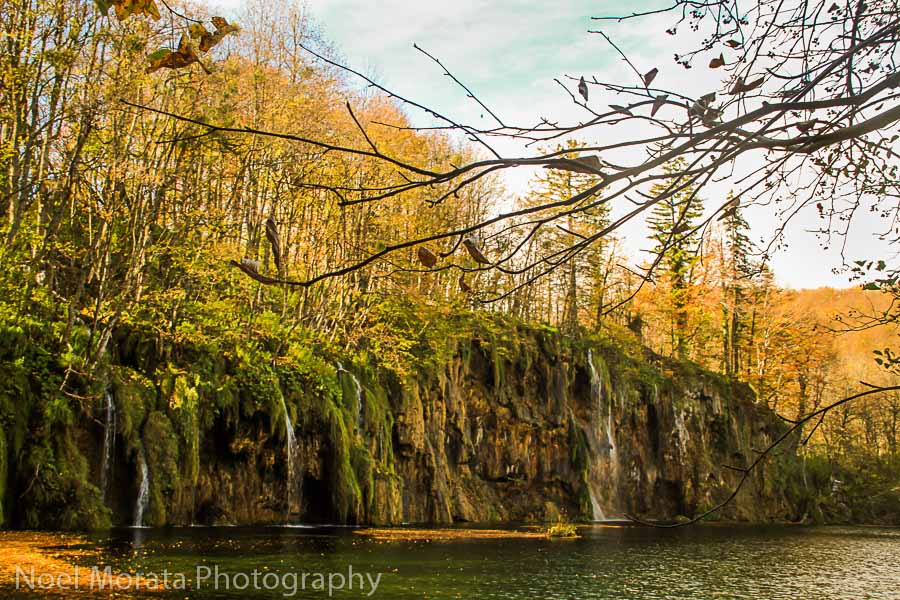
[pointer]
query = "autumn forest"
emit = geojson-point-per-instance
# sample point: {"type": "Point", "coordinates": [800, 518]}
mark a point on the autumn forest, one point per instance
{"type": "Point", "coordinates": [199, 210]}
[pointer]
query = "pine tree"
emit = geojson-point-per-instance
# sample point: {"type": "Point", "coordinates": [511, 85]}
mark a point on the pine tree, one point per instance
{"type": "Point", "coordinates": [672, 222]}
{"type": "Point", "coordinates": [582, 271]}
{"type": "Point", "coordinates": [738, 270]}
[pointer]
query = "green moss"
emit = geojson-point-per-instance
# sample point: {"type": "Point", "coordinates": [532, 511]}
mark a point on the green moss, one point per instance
{"type": "Point", "coordinates": [59, 494]}
{"type": "Point", "coordinates": [162, 452]}
{"type": "Point", "coordinates": [380, 425]}
{"type": "Point", "coordinates": [493, 515]}
{"type": "Point", "coordinates": [552, 513]}
{"type": "Point", "coordinates": [347, 495]}
{"type": "Point", "coordinates": [135, 396]}
{"type": "Point", "coordinates": [184, 414]}
{"type": "Point", "coordinates": [3, 475]}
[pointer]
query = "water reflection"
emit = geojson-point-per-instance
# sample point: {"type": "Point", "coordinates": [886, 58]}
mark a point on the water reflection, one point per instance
{"type": "Point", "coordinates": [608, 562]}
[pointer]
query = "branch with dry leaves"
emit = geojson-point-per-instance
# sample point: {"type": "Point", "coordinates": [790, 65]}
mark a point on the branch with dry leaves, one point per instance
{"type": "Point", "coordinates": [783, 104]}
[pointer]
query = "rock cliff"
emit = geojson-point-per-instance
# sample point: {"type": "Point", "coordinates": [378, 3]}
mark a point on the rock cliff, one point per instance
{"type": "Point", "coordinates": [522, 428]}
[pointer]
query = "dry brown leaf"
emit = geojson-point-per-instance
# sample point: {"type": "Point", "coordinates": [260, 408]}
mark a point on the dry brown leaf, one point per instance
{"type": "Point", "coordinates": [426, 257]}
{"type": "Point", "coordinates": [186, 55]}
{"type": "Point", "coordinates": [741, 87]}
{"type": "Point", "coordinates": [587, 165]}
{"type": "Point", "coordinates": [274, 241]}
{"type": "Point", "coordinates": [474, 249]}
{"type": "Point", "coordinates": [583, 89]}
{"type": "Point", "coordinates": [223, 28]}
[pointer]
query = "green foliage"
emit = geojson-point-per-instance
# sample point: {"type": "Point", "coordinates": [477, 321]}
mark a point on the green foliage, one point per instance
{"type": "Point", "coordinates": [672, 223]}
{"type": "Point", "coordinates": [135, 398]}
{"type": "Point", "coordinates": [562, 530]}
{"type": "Point", "coordinates": [161, 449]}
{"type": "Point", "coordinates": [184, 411]}
{"type": "Point", "coordinates": [58, 494]}
{"type": "Point", "coordinates": [4, 453]}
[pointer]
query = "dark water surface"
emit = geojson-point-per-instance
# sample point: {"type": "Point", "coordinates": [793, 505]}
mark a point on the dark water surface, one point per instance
{"type": "Point", "coordinates": [623, 562]}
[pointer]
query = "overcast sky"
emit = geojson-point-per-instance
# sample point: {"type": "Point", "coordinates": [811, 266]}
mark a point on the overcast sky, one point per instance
{"type": "Point", "coordinates": [509, 52]}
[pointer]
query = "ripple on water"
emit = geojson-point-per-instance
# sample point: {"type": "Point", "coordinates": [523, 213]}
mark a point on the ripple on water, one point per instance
{"type": "Point", "coordinates": [607, 563]}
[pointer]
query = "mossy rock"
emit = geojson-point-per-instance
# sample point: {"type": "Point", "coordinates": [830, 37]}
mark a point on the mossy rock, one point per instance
{"type": "Point", "coordinates": [3, 475]}
{"type": "Point", "coordinates": [135, 397]}
{"type": "Point", "coordinates": [59, 494]}
{"type": "Point", "coordinates": [183, 411]}
{"type": "Point", "coordinates": [552, 514]}
{"type": "Point", "coordinates": [162, 452]}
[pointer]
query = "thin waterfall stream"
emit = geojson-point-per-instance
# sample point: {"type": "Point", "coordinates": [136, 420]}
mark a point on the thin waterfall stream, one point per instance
{"type": "Point", "coordinates": [109, 441]}
{"type": "Point", "coordinates": [143, 497]}
{"type": "Point", "coordinates": [290, 450]}
{"type": "Point", "coordinates": [360, 404]}
{"type": "Point", "coordinates": [604, 470]}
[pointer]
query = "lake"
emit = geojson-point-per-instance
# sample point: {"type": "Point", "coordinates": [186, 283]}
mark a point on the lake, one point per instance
{"type": "Point", "coordinates": [708, 561]}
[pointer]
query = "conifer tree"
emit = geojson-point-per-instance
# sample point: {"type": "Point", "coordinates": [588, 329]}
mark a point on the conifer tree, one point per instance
{"type": "Point", "coordinates": [672, 224]}
{"type": "Point", "coordinates": [738, 270]}
{"type": "Point", "coordinates": [572, 286]}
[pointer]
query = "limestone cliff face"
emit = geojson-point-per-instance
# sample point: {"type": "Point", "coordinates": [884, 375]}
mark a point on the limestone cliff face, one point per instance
{"type": "Point", "coordinates": [591, 434]}
{"type": "Point", "coordinates": [487, 432]}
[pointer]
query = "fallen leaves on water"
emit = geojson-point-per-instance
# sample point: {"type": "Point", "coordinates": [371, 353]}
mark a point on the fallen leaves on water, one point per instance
{"type": "Point", "coordinates": [447, 535]}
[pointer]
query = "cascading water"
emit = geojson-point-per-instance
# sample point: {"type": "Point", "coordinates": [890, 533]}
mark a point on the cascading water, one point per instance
{"type": "Point", "coordinates": [291, 456]}
{"type": "Point", "coordinates": [143, 498]}
{"type": "Point", "coordinates": [360, 405]}
{"type": "Point", "coordinates": [596, 387]}
{"type": "Point", "coordinates": [597, 513]}
{"type": "Point", "coordinates": [604, 470]}
{"type": "Point", "coordinates": [109, 441]}
{"type": "Point", "coordinates": [609, 432]}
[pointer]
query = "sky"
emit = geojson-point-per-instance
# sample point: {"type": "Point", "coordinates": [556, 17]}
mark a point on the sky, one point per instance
{"type": "Point", "coordinates": [509, 52]}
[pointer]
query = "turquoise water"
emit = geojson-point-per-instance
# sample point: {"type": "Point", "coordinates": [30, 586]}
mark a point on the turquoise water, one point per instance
{"type": "Point", "coordinates": [626, 562]}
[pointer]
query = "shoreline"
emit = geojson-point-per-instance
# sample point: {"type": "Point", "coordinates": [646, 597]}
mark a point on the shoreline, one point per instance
{"type": "Point", "coordinates": [47, 563]}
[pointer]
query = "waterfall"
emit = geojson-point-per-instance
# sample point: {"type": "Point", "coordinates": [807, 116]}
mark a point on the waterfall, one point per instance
{"type": "Point", "coordinates": [360, 416]}
{"type": "Point", "coordinates": [603, 483]}
{"type": "Point", "coordinates": [596, 510]}
{"type": "Point", "coordinates": [290, 450]}
{"type": "Point", "coordinates": [109, 441]}
{"type": "Point", "coordinates": [609, 434]}
{"type": "Point", "coordinates": [143, 498]}
{"type": "Point", "coordinates": [681, 431]}
{"type": "Point", "coordinates": [360, 405]}
{"type": "Point", "coordinates": [596, 386]}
